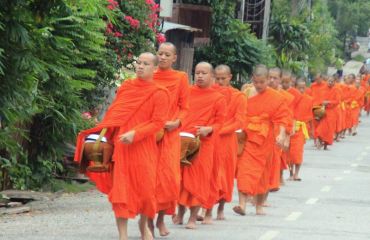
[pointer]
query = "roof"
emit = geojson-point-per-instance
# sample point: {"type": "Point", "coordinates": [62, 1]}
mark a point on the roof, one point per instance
{"type": "Point", "coordinates": [167, 26]}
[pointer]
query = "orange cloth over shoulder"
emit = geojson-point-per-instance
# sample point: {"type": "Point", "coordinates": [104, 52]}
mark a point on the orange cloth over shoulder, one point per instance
{"type": "Point", "coordinates": [302, 114]}
{"type": "Point", "coordinates": [326, 126]}
{"type": "Point", "coordinates": [141, 106]}
{"type": "Point", "coordinates": [265, 111]}
{"type": "Point", "coordinates": [169, 174]}
{"type": "Point", "coordinates": [279, 159]}
{"type": "Point", "coordinates": [207, 108]}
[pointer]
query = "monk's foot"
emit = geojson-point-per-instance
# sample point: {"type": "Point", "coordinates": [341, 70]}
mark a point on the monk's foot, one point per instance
{"type": "Point", "coordinates": [207, 220]}
{"type": "Point", "coordinates": [290, 178]}
{"type": "Point", "coordinates": [147, 235]}
{"type": "Point", "coordinates": [220, 215]}
{"type": "Point", "coordinates": [177, 219]}
{"type": "Point", "coordinates": [259, 211]}
{"type": "Point", "coordinates": [239, 210]}
{"type": "Point", "coordinates": [200, 218]}
{"type": "Point", "coordinates": [297, 179]}
{"type": "Point", "coordinates": [325, 147]}
{"type": "Point", "coordinates": [163, 231]}
{"type": "Point", "coordinates": [191, 225]}
{"type": "Point", "coordinates": [151, 226]}
{"type": "Point", "coordinates": [266, 204]}
{"type": "Point", "coordinates": [282, 182]}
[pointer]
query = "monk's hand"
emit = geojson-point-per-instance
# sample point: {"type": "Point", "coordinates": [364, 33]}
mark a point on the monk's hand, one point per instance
{"type": "Point", "coordinates": [128, 137]}
{"type": "Point", "coordinates": [172, 125]}
{"type": "Point", "coordinates": [203, 131]}
{"type": "Point", "coordinates": [281, 138]}
{"type": "Point", "coordinates": [286, 143]}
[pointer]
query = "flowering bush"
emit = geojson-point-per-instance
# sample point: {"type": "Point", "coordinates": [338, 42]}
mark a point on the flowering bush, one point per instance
{"type": "Point", "coordinates": [135, 29]}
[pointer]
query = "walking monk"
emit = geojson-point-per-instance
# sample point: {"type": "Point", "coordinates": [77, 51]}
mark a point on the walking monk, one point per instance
{"type": "Point", "coordinates": [266, 111]}
{"type": "Point", "coordinates": [293, 156]}
{"type": "Point", "coordinates": [325, 130]}
{"type": "Point", "coordinates": [169, 175]}
{"type": "Point", "coordinates": [303, 117]}
{"type": "Point", "coordinates": [357, 104]}
{"type": "Point", "coordinates": [136, 115]}
{"type": "Point", "coordinates": [207, 110]}
{"type": "Point", "coordinates": [317, 92]}
{"type": "Point", "coordinates": [226, 146]}
{"type": "Point", "coordinates": [279, 162]}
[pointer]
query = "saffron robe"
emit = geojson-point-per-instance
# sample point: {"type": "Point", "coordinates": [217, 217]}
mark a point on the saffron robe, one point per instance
{"type": "Point", "coordinates": [140, 106]}
{"type": "Point", "coordinates": [326, 128]}
{"type": "Point", "coordinates": [169, 174]}
{"type": "Point", "coordinates": [265, 111]}
{"type": "Point", "coordinates": [207, 107]}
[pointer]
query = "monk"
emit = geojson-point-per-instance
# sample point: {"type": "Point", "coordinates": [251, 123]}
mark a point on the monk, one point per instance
{"type": "Point", "coordinates": [298, 127]}
{"type": "Point", "coordinates": [349, 93]}
{"type": "Point", "coordinates": [317, 92]}
{"type": "Point", "coordinates": [279, 162]}
{"type": "Point", "coordinates": [303, 117]}
{"type": "Point", "coordinates": [226, 144]}
{"type": "Point", "coordinates": [367, 98]}
{"type": "Point", "coordinates": [136, 115]}
{"type": "Point", "coordinates": [325, 130]}
{"type": "Point", "coordinates": [357, 105]}
{"type": "Point", "coordinates": [169, 175]}
{"type": "Point", "coordinates": [339, 110]}
{"type": "Point", "coordinates": [207, 110]}
{"type": "Point", "coordinates": [266, 111]}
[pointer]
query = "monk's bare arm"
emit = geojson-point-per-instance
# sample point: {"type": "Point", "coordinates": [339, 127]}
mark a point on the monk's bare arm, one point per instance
{"type": "Point", "coordinates": [220, 115]}
{"type": "Point", "coordinates": [158, 118]}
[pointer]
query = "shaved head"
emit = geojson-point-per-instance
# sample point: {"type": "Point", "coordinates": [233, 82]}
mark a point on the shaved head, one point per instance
{"type": "Point", "coordinates": [153, 57]}
{"type": "Point", "coordinates": [261, 71]}
{"type": "Point", "coordinates": [276, 70]}
{"type": "Point", "coordinates": [301, 84]}
{"type": "Point", "coordinates": [224, 68]}
{"type": "Point", "coordinates": [204, 74]}
{"type": "Point", "coordinates": [223, 75]}
{"type": "Point", "coordinates": [170, 46]}
{"type": "Point", "coordinates": [206, 64]}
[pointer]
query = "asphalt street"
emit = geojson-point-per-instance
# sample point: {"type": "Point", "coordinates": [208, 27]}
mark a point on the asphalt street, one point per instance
{"type": "Point", "coordinates": [331, 203]}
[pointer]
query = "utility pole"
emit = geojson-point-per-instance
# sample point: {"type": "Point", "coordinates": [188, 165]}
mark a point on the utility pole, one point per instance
{"type": "Point", "coordinates": [266, 20]}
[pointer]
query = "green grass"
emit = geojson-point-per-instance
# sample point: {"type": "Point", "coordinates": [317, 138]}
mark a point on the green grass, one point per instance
{"type": "Point", "coordinates": [68, 186]}
{"type": "Point", "coordinates": [359, 58]}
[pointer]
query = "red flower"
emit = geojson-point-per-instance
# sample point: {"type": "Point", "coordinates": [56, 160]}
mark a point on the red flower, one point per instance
{"type": "Point", "coordinates": [160, 38]}
{"type": "Point", "coordinates": [132, 21]}
{"type": "Point", "coordinates": [118, 34]}
{"type": "Point", "coordinates": [112, 4]}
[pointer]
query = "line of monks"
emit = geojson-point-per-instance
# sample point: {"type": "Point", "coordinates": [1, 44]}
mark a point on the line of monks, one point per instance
{"type": "Point", "coordinates": [251, 135]}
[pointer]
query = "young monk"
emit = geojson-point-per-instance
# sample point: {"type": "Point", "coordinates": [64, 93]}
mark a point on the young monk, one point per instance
{"type": "Point", "coordinates": [317, 92]}
{"type": "Point", "coordinates": [325, 130]}
{"type": "Point", "coordinates": [136, 115]}
{"type": "Point", "coordinates": [226, 145]}
{"type": "Point", "coordinates": [303, 118]}
{"type": "Point", "coordinates": [357, 105]}
{"type": "Point", "coordinates": [207, 110]}
{"type": "Point", "coordinates": [266, 111]}
{"type": "Point", "coordinates": [169, 175]}
{"type": "Point", "coordinates": [298, 127]}
{"type": "Point", "coordinates": [349, 92]}
{"type": "Point", "coordinates": [279, 162]}
{"type": "Point", "coordinates": [367, 98]}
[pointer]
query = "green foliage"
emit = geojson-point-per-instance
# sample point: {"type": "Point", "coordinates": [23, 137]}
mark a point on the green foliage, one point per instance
{"type": "Point", "coordinates": [243, 49]}
{"type": "Point", "coordinates": [359, 58]}
{"type": "Point", "coordinates": [51, 50]}
{"type": "Point", "coordinates": [307, 40]}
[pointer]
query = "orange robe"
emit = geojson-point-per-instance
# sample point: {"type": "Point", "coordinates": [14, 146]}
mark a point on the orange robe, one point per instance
{"type": "Point", "coordinates": [169, 174]}
{"type": "Point", "coordinates": [349, 96]}
{"type": "Point", "coordinates": [367, 99]}
{"type": "Point", "coordinates": [226, 145]}
{"type": "Point", "coordinates": [339, 110]}
{"type": "Point", "coordinates": [318, 93]}
{"type": "Point", "coordinates": [279, 159]}
{"type": "Point", "coordinates": [302, 114]}
{"type": "Point", "coordinates": [207, 108]}
{"type": "Point", "coordinates": [326, 127]}
{"type": "Point", "coordinates": [357, 105]}
{"type": "Point", "coordinates": [265, 111]}
{"type": "Point", "coordinates": [141, 106]}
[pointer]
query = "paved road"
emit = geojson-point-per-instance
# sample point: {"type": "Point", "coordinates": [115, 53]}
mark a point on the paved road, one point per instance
{"type": "Point", "coordinates": [331, 203]}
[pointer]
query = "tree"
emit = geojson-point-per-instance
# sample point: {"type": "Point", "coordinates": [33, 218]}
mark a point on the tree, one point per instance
{"type": "Point", "coordinates": [232, 43]}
